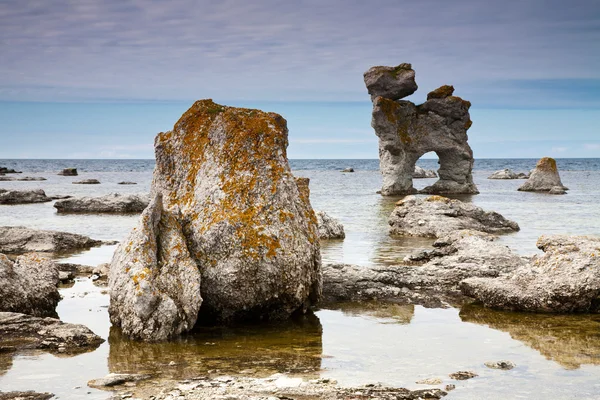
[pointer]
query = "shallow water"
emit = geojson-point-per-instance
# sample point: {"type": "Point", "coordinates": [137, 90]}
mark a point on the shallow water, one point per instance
{"type": "Point", "coordinates": [557, 356]}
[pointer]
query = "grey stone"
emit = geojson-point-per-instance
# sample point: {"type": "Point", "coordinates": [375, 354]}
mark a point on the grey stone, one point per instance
{"type": "Point", "coordinates": [544, 177]}
{"type": "Point", "coordinates": [4, 170]}
{"type": "Point", "coordinates": [19, 240]}
{"type": "Point", "coordinates": [127, 183]}
{"type": "Point", "coordinates": [68, 172]}
{"type": "Point", "coordinates": [391, 82]}
{"type": "Point", "coordinates": [557, 190]}
{"type": "Point", "coordinates": [29, 285]}
{"type": "Point", "coordinates": [23, 196]}
{"type": "Point", "coordinates": [28, 395]}
{"type": "Point", "coordinates": [503, 365]}
{"type": "Point", "coordinates": [24, 179]}
{"type": "Point", "coordinates": [329, 227]}
{"type": "Point", "coordinates": [429, 381]}
{"type": "Point", "coordinates": [348, 169]}
{"type": "Point", "coordinates": [407, 131]}
{"type": "Point", "coordinates": [87, 182]}
{"type": "Point", "coordinates": [506, 173]}
{"type": "Point", "coordinates": [421, 173]}
{"type": "Point", "coordinates": [463, 375]}
{"type": "Point", "coordinates": [566, 278]}
{"type": "Point", "coordinates": [437, 216]}
{"type": "Point", "coordinates": [110, 203]}
{"type": "Point", "coordinates": [111, 380]}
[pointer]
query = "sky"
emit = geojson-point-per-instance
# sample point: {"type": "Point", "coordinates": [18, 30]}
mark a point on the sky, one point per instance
{"type": "Point", "coordinates": [99, 79]}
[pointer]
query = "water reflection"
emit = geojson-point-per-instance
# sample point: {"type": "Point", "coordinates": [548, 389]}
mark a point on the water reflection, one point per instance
{"type": "Point", "coordinates": [293, 346]}
{"type": "Point", "coordinates": [386, 312]}
{"type": "Point", "coordinates": [570, 340]}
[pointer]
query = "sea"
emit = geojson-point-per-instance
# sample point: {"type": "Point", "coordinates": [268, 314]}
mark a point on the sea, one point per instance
{"type": "Point", "coordinates": [556, 356]}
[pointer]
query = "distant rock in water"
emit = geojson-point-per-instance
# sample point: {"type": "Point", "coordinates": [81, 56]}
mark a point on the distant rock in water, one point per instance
{"type": "Point", "coordinates": [29, 285]}
{"type": "Point", "coordinates": [557, 190]}
{"type": "Point", "coordinates": [127, 183]}
{"type": "Point", "coordinates": [88, 182]}
{"type": "Point", "coordinates": [436, 216]}
{"type": "Point", "coordinates": [421, 173]}
{"type": "Point", "coordinates": [506, 173]}
{"type": "Point", "coordinates": [19, 240]}
{"type": "Point", "coordinates": [24, 179]}
{"type": "Point", "coordinates": [23, 196]}
{"type": "Point", "coordinates": [68, 172]}
{"type": "Point", "coordinates": [349, 169]}
{"type": "Point", "coordinates": [544, 177]}
{"type": "Point", "coordinates": [4, 170]}
{"type": "Point", "coordinates": [566, 278]}
{"type": "Point", "coordinates": [329, 227]}
{"type": "Point", "coordinates": [111, 203]}
{"type": "Point", "coordinates": [406, 132]}
{"type": "Point", "coordinates": [230, 218]}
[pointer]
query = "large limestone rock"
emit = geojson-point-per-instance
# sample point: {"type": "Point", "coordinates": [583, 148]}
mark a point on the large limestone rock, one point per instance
{"type": "Point", "coordinates": [111, 203]}
{"type": "Point", "coordinates": [566, 278]}
{"type": "Point", "coordinates": [29, 285]}
{"type": "Point", "coordinates": [436, 216]}
{"type": "Point", "coordinates": [23, 196]}
{"type": "Point", "coordinates": [19, 240]}
{"type": "Point", "coordinates": [329, 227]}
{"type": "Point", "coordinates": [233, 203]}
{"type": "Point", "coordinates": [544, 177]}
{"type": "Point", "coordinates": [407, 131]}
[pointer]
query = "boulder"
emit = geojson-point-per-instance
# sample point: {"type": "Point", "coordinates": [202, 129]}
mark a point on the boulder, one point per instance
{"type": "Point", "coordinates": [68, 172]}
{"type": "Point", "coordinates": [23, 196]}
{"type": "Point", "coordinates": [421, 173]}
{"type": "Point", "coordinates": [111, 203]}
{"type": "Point", "coordinates": [506, 173]}
{"type": "Point", "coordinates": [29, 285]}
{"type": "Point", "coordinates": [565, 279]}
{"type": "Point", "coordinates": [19, 240]}
{"type": "Point", "coordinates": [436, 216]}
{"type": "Point", "coordinates": [544, 177]}
{"type": "Point", "coordinates": [429, 278]}
{"type": "Point", "coordinates": [391, 82]}
{"type": "Point", "coordinates": [4, 170]}
{"type": "Point", "coordinates": [87, 182]}
{"type": "Point", "coordinates": [229, 217]}
{"type": "Point", "coordinates": [348, 169]}
{"type": "Point", "coordinates": [407, 131]}
{"type": "Point", "coordinates": [329, 228]}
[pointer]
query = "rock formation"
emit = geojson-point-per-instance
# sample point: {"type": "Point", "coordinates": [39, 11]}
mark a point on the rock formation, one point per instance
{"type": "Point", "coordinates": [421, 173]}
{"type": "Point", "coordinates": [508, 173]}
{"type": "Point", "coordinates": [4, 170]}
{"type": "Point", "coordinates": [407, 131]}
{"type": "Point", "coordinates": [231, 207]}
{"type": "Point", "coordinates": [329, 228]}
{"type": "Point", "coordinates": [19, 240]}
{"type": "Point", "coordinates": [23, 196]}
{"type": "Point", "coordinates": [24, 179]}
{"type": "Point", "coordinates": [544, 178]}
{"type": "Point", "coordinates": [436, 216]}
{"type": "Point", "coordinates": [566, 278]}
{"type": "Point", "coordinates": [68, 172]}
{"type": "Point", "coordinates": [111, 203]}
{"type": "Point", "coordinates": [29, 285]}
{"type": "Point", "coordinates": [87, 182]}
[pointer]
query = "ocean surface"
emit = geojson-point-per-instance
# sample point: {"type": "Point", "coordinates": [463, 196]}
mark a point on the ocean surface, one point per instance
{"type": "Point", "coordinates": [557, 357]}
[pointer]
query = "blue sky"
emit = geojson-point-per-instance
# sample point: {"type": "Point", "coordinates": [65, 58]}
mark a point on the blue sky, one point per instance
{"type": "Point", "coordinates": [89, 79]}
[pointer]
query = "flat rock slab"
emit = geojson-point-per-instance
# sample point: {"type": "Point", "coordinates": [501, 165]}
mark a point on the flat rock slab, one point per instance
{"type": "Point", "coordinates": [503, 365]}
{"type": "Point", "coordinates": [19, 240]}
{"type": "Point", "coordinates": [24, 179]}
{"type": "Point", "coordinates": [111, 380]}
{"type": "Point", "coordinates": [436, 216]}
{"type": "Point", "coordinates": [23, 196]}
{"type": "Point", "coordinates": [463, 375]}
{"type": "Point", "coordinates": [29, 395]}
{"type": "Point", "coordinates": [87, 182]}
{"type": "Point", "coordinates": [111, 203]}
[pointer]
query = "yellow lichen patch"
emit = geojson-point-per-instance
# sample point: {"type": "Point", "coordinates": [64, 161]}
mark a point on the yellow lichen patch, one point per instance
{"type": "Point", "coordinates": [547, 164]}
{"type": "Point", "coordinates": [389, 108]}
{"type": "Point", "coordinates": [465, 103]}
{"type": "Point", "coordinates": [438, 198]}
{"type": "Point", "coordinates": [441, 92]}
{"type": "Point", "coordinates": [468, 124]}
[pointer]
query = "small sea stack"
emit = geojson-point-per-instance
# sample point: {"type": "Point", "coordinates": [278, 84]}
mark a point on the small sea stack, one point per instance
{"type": "Point", "coordinates": [544, 178]}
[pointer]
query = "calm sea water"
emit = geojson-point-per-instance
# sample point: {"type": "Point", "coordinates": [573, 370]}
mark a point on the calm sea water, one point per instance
{"type": "Point", "coordinates": [557, 357]}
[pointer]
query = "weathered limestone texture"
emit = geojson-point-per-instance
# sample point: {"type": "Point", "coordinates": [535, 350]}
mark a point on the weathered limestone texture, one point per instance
{"type": "Point", "coordinates": [421, 173]}
{"type": "Point", "coordinates": [29, 285]}
{"type": "Point", "coordinates": [110, 203]}
{"type": "Point", "coordinates": [436, 216]}
{"type": "Point", "coordinates": [544, 178]}
{"type": "Point", "coordinates": [19, 240]}
{"type": "Point", "coordinates": [329, 227]}
{"type": "Point", "coordinates": [407, 131]}
{"type": "Point", "coordinates": [235, 211]}
{"type": "Point", "coordinates": [566, 278]}
{"type": "Point", "coordinates": [23, 196]}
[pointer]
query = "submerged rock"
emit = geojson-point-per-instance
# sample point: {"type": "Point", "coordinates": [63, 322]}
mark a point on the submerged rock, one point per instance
{"type": "Point", "coordinates": [23, 196]}
{"type": "Point", "coordinates": [111, 380]}
{"type": "Point", "coordinates": [329, 228]}
{"type": "Point", "coordinates": [407, 131]}
{"type": "Point", "coordinates": [436, 216]}
{"type": "Point", "coordinates": [111, 203]}
{"type": "Point", "coordinates": [566, 278]}
{"type": "Point", "coordinates": [231, 212]}
{"type": "Point", "coordinates": [127, 183]}
{"type": "Point", "coordinates": [29, 285]}
{"type": "Point", "coordinates": [544, 177]}
{"type": "Point", "coordinates": [87, 182]}
{"type": "Point", "coordinates": [28, 395]}
{"type": "Point", "coordinates": [19, 240]}
{"type": "Point", "coordinates": [421, 173]}
{"type": "Point", "coordinates": [68, 172]}
{"type": "Point", "coordinates": [4, 170]}
{"type": "Point", "coordinates": [506, 173]}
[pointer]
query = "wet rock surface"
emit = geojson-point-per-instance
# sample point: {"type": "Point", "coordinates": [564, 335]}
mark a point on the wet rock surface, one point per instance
{"type": "Point", "coordinates": [566, 278]}
{"type": "Point", "coordinates": [111, 380]}
{"type": "Point", "coordinates": [407, 131]}
{"type": "Point", "coordinates": [421, 173]}
{"type": "Point", "coordinates": [436, 216]}
{"type": "Point", "coordinates": [329, 227]}
{"type": "Point", "coordinates": [544, 177]}
{"type": "Point", "coordinates": [29, 395]}
{"type": "Point", "coordinates": [19, 240]}
{"type": "Point", "coordinates": [233, 212]}
{"type": "Point", "coordinates": [111, 203]}
{"type": "Point", "coordinates": [68, 172]}
{"type": "Point", "coordinates": [87, 182]}
{"type": "Point", "coordinates": [23, 196]}
{"type": "Point", "coordinates": [29, 285]}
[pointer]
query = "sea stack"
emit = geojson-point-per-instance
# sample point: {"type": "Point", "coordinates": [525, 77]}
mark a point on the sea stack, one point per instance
{"type": "Point", "coordinates": [228, 223]}
{"type": "Point", "coordinates": [544, 178]}
{"type": "Point", "coordinates": [407, 131]}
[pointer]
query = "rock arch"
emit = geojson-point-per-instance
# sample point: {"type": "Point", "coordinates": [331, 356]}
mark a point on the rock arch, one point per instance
{"type": "Point", "coordinates": [407, 131]}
